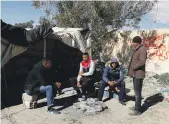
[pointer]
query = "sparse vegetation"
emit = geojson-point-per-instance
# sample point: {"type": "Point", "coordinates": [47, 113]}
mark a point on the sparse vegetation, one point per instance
{"type": "Point", "coordinates": [163, 78]}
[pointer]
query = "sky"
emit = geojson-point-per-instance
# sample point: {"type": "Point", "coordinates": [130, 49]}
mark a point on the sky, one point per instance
{"type": "Point", "coordinates": [21, 11]}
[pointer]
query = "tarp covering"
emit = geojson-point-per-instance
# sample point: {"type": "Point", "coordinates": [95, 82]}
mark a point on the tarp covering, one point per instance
{"type": "Point", "coordinates": [22, 37]}
{"type": "Point", "coordinates": [65, 59]}
{"type": "Point", "coordinates": [12, 35]}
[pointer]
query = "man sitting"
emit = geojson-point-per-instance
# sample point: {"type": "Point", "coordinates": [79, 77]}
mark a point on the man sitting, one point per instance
{"type": "Point", "coordinates": [84, 79]}
{"type": "Point", "coordinates": [36, 84]}
{"type": "Point", "coordinates": [113, 77]}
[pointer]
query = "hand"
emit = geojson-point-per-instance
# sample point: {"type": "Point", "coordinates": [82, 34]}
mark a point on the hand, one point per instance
{"type": "Point", "coordinates": [80, 73]}
{"type": "Point", "coordinates": [78, 84]}
{"type": "Point", "coordinates": [114, 82]}
{"type": "Point", "coordinates": [111, 83]}
{"type": "Point", "coordinates": [58, 84]}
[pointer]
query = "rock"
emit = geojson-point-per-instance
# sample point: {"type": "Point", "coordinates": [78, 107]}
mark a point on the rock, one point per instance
{"type": "Point", "coordinates": [91, 111]}
{"type": "Point", "coordinates": [104, 106]}
{"type": "Point", "coordinates": [98, 108]}
{"type": "Point", "coordinates": [83, 105]}
{"type": "Point", "coordinates": [29, 101]}
{"type": "Point", "coordinates": [91, 100]}
{"type": "Point", "coordinates": [76, 106]}
{"type": "Point", "coordinates": [90, 107]}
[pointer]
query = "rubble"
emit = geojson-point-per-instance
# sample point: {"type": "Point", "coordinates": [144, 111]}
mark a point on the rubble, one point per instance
{"type": "Point", "coordinates": [89, 107]}
{"type": "Point", "coordinates": [159, 82]}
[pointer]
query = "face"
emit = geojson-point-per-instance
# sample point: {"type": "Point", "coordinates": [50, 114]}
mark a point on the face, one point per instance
{"type": "Point", "coordinates": [48, 64]}
{"type": "Point", "coordinates": [135, 45]}
{"type": "Point", "coordinates": [114, 65]}
{"type": "Point", "coordinates": [85, 58]}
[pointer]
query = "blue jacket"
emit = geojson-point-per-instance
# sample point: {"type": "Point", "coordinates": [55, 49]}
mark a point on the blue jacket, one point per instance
{"type": "Point", "coordinates": [111, 74]}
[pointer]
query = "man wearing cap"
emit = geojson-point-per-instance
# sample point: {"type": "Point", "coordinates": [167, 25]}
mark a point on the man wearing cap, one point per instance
{"type": "Point", "coordinates": [137, 71]}
{"type": "Point", "coordinates": [113, 77]}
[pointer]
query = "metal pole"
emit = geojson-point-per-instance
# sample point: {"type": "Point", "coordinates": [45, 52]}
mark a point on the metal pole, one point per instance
{"type": "Point", "coordinates": [44, 52]}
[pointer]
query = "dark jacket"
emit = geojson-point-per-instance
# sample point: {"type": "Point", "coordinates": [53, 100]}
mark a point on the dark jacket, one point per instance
{"type": "Point", "coordinates": [37, 77]}
{"type": "Point", "coordinates": [137, 64]}
{"type": "Point", "coordinates": [111, 74]}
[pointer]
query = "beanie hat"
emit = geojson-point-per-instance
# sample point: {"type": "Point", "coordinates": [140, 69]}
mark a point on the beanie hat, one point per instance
{"type": "Point", "coordinates": [114, 60]}
{"type": "Point", "coordinates": [137, 39]}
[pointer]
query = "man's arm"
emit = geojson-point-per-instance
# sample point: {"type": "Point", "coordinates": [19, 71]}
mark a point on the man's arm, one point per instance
{"type": "Point", "coordinates": [105, 74]}
{"type": "Point", "coordinates": [142, 59]}
{"type": "Point", "coordinates": [91, 70]}
{"type": "Point", "coordinates": [80, 71]}
{"type": "Point", "coordinates": [121, 77]}
{"type": "Point", "coordinates": [40, 78]}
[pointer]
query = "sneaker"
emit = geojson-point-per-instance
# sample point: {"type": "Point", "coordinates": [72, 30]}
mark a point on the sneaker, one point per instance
{"type": "Point", "coordinates": [122, 102]}
{"type": "Point", "coordinates": [51, 106]}
{"type": "Point", "coordinates": [54, 111]}
{"type": "Point", "coordinates": [84, 98]}
{"type": "Point", "coordinates": [135, 113]}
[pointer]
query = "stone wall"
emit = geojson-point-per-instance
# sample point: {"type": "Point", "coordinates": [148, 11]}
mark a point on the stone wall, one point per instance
{"type": "Point", "coordinates": [156, 42]}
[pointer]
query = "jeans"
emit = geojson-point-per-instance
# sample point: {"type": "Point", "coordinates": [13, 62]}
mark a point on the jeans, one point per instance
{"type": "Point", "coordinates": [86, 83]}
{"type": "Point", "coordinates": [137, 83]}
{"type": "Point", "coordinates": [121, 86]}
{"type": "Point", "coordinates": [48, 90]}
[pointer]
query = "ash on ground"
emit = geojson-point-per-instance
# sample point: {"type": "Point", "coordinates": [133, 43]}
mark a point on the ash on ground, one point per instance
{"type": "Point", "coordinates": [90, 107]}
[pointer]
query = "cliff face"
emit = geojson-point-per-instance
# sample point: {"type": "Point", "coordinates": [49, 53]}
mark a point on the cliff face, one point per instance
{"type": "Point", "coordinates": [156, 42]}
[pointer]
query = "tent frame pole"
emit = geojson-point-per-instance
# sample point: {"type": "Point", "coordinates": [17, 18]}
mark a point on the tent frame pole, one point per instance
{"type": "Point", "coordinates": [44, 52]}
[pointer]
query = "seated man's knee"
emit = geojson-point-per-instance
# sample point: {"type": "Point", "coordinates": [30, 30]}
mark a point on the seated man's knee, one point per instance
{"type": "Point", "coordinates": [84, 84]}
{"type": "Point", "coordinates": [49, 87]}
{"type": "Point", "coordinates": [103, 84]}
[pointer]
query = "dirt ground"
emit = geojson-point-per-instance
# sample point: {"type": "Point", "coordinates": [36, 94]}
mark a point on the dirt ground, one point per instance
{"type": "Point", "coordinates": [156, 112]}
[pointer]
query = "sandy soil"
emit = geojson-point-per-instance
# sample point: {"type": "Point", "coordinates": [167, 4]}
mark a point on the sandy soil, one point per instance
{"type": "Point", "coordinates": [157, 113]}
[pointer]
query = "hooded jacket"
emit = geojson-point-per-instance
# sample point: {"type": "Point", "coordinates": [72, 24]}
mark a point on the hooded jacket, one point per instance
{"type": "Point", "coordinates": [113, 74]}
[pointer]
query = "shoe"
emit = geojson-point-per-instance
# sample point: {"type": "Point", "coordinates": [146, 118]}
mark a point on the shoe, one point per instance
{"type": "Point", "coordinates": [84, 98]}
{"type": "Point", "coordinates": [54, 111]}
{"type": "Point", "coordinates": [51, 106]}
{"type": "Point", "coordinates": [135, 113]}
{"type": "Point", "coordinates": [122, 102]}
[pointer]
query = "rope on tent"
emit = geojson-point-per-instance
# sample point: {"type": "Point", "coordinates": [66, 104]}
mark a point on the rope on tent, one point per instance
{"type": "Point", "coordinates": [44, 52]}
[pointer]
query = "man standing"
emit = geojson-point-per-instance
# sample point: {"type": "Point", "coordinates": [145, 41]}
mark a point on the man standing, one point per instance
{"type": "Point", "coordinates": [36, 84]}
{"type": "Point", "coordinates": [84, 79]}
{"type": "Point", "coordinates": [137, 72]}
{"type": "Point", "coordinates": [113, 77]}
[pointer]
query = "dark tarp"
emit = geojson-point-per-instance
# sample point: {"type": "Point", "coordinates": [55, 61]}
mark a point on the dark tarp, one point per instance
{"type": "Point", "coordinates": [22, 37]}
{"type": "Point", "coordinates": [12, 37]}
{"type": "Point", "coordinates": [65, 59]}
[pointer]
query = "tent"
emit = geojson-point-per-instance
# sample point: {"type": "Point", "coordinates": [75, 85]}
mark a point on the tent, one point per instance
{"type": "Point", "coordinates": [64, 46]}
